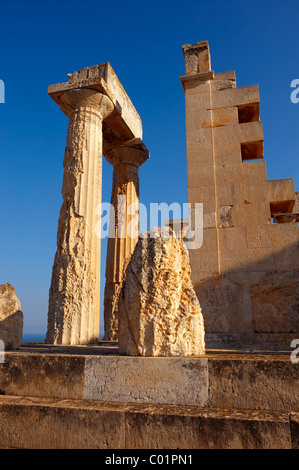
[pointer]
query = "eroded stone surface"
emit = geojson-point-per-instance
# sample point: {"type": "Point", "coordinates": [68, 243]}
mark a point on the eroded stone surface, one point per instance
{"type": "Point", "coordinates": [77, 424]}
{"type": "Point", "coordinates": [124, 224]}
{"type": "Point", "coordinates": [159, 313]}
{"type": "Point", "coordinates": [156, 380]}
{"type": "Point", "coordinates": [11, 317]}
{"type": "Point", "coordinates": [246, 271]}
{"type": "Point", "coordinates": [275, 300]}
{"type": "Point", "coordinates": [74, 294]}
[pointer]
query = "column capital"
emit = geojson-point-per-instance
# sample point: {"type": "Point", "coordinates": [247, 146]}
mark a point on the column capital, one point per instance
{"type": "Point", "coordinates": [133, 152]}
{"type": "Point", "coordinates": [89, 100]}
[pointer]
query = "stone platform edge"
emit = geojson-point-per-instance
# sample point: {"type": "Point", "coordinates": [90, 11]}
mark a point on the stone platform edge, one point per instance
{"type": "Point", "coordinates": [38, 423]}
{"type": "Point", "coordinates": [244, 381]}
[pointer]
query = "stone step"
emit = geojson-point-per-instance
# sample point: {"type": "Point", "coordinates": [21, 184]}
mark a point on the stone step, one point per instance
{"type": "Point", "coordinates": [222, 380]}
{"type": "Point", "coordinates": [39, 423]}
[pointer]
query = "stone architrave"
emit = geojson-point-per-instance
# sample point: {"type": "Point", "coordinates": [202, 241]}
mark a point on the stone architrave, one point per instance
{"type": "Point", "coordinates": [73, 316]}
{"type": "Point", "coordinates": [159, 313]}
{"type": "Point", "coordinates": [124, 224]}
{"type": "Point", "coordinates": [11, 318]}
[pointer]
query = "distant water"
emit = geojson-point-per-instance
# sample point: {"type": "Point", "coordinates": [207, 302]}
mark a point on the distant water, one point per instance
{"type": "Point", "coordinates": [33, 338]}
{"type": "Point", "coordinates": [40, 338]}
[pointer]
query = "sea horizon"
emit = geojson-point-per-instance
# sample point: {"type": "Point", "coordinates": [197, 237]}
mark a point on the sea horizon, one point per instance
{"type": "Point", "coordinates": [40, 337]}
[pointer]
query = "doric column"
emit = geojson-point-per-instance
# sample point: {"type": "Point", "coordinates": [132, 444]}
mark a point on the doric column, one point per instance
{"type": "Point", "coordinates": [74, 304]}
{"type": "Point", "coordinates": [124, 224]}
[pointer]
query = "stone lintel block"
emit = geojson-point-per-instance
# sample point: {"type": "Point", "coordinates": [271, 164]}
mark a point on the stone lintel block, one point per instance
{"type": "Point", "coordinates": [281, 195]}
{"type": "Point", "coordinates": [219, 85]}
{"type": "Point", "coordinates": [190, 82]}
{"type": "Point", "coordinates": [247, 175]}
{"type": "Point", "coordinates": [231, 75]}
{"type": "Point", "coordinates": [220, 117]}
{"type": "Point", "coordinates": [252, 214]}
{"type": "Point", "coordinates": [193, 87]}
{"type": "Point", "coordinates": [240, 133]}
{"type": "Point", "coordinates": [124, 123]}
{"type": "Point", "coordinates": [207, 82]}
{"type": "Point", "coordinates": [236, 96]}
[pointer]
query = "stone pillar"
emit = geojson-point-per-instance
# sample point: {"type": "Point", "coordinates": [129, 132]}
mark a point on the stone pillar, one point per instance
{"type": "Point", "coordinates": [124, 231]}
{"type": "Point", "coordinates": [74, 302]}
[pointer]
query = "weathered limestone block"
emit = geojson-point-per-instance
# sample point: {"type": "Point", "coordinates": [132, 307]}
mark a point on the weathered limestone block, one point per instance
{"type": "Point", "coordinates": [275, 300]}
{"type": "Point", "coordinates": [197, 58]}
{"type": "Point", "coordinates": [246, 271]}
{"type": "Point", "coordinates": [11, 317]}
{"type": "Point", "coordinates": [159, 313]}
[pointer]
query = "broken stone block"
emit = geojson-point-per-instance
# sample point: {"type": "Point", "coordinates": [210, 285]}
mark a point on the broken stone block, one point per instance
{"type": "Point", "coordinates": [197, 57]}
{"type": "Point", "coordinates": [159, 313]}
{"type": "Point", "coordinates": [11, 317]}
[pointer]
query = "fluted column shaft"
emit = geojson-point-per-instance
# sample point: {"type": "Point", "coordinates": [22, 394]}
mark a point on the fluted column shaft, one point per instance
{"type": "Point", "coordinates": [124, 221]}
{"type": "Point", "coordinates": [74, 302]}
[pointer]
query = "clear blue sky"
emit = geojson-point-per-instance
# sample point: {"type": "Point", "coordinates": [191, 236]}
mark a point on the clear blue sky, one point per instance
{"type": "Point", "coordinates": [43, 41]}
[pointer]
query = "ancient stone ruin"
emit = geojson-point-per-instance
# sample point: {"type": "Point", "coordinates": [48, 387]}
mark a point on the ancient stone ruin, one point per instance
{"type": "Point", "coordinates": [11, 318]}
{"type": "Point", "coordinates": [159, 313]}
{"type": "Point", "coordinates": [102, 120]}
{"type": "Point", "coordinates": [246, 273]}
{"type": "Point", "coordinates": [168, 303]}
